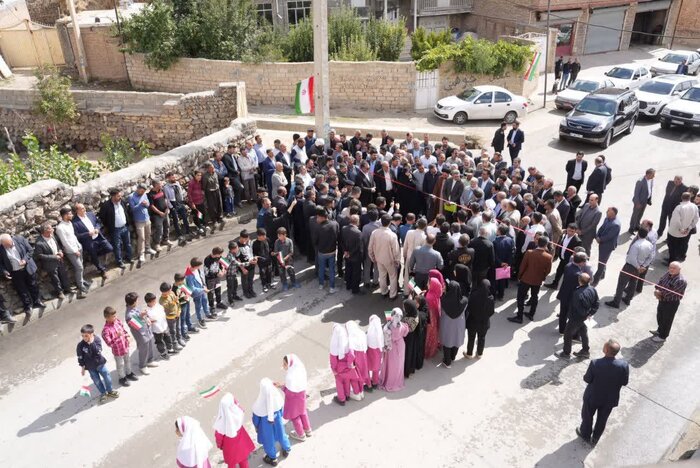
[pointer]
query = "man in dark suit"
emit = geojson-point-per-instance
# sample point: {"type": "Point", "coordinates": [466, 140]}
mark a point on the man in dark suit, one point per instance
{"type": "Point", "coordinates": [17, 265]}
{"type": "Point", "coordinates": [533, 270]}
{"type": "Point", "coordinates": [576, 171]}
{"type": "Point", "coordinates": [49, 257]}
{"type": "Point", "coordinates": [569, 284]}
{"type": "Point", "coordinates": [574, 202]}
{"type": "Point", "coordinates": [605, 377]}
{"type": "Point", "coordinates": [606, 237]}
{"type": "Point", "coordinates": [561, 204]}
{"type": "Point", "coordinates": [485, 183]}
{"type": "Point", "coordinates": [351, 242]}
{"type": "Point", "coordinates": [484, 258]}
{"type": "Point", "coordinates": [116, 219]}
{"type": "Point", "coordinates": [366, 183]}
{"type": "Point", "coordinates": [597, 181]}
{"type": "Point", "coordinates": [672, 198]}
{"type": "Point", "coordinates": [516, 138]}
{"type": "Point", "coordinates": [499, 138]}
{"type": "Point", "coordinates": [384, 181]}
{"type": "Point", "coordinates": [643, 189]}
{"type": "Point", "coordinates": [88, 231]}
{"type": "Point", "coordinates": [234, 173]}
{"type": "Point", "coordinates": [563, 251]}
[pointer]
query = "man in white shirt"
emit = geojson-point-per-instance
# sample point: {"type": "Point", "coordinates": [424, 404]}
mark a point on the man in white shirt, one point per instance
{"type": "Point", "coordinates": [72, 249]}
{"type": "Point", "coordinates": [427, 158]}
{"type": "Point", "coordinates": [248, 163]}
{"type": "Point", "coordinates": [683, 220]}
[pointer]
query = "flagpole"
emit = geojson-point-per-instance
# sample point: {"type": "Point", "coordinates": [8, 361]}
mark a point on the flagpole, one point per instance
{"type": "Point", "coordinates": [321, 69]}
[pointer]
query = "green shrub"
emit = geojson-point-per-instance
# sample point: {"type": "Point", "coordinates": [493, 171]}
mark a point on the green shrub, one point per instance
{"type": "Point", "coordinates": [355, 49]}
{"type": "Point", "coordinates": [299, 42]}
{"type": "Point", "coordinates": [55, 102]}
{"type": "Point", "coordinates": [344, 26]}
{"type": "Point", "coordinates": [152, 32]}
{"type": "Point", "coordinates": [422, 41]}
{"type": "Point", "coordinates": [120, 153]}
{"type": "Point", "coordinates": [386, 38]}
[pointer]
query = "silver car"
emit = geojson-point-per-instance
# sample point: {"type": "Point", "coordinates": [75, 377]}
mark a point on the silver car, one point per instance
{"type": "Point", "coordinates": [572, 95]}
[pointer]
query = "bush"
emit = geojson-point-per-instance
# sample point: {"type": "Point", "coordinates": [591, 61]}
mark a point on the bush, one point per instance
{"type": "Point", "coordinates": [120, 153]}
{"type": "Point", "coordinates": [354, 49]}
{"type": "Point", "coordinates": [56, 102]}
{"type": "Point", "coordinates": [422, 41]}
{"type": "Point", "coordinates": [152, 32]}
{"type": "Point", "coordinates": [299, 42]}
{"type": "Point", "coordinates": [386, 38]}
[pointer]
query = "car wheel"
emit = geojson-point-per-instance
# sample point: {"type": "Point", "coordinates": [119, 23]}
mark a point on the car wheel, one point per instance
{"type": "Point", "coordinates": [631, 127]}
{"type": "Point", "coordinates": [608, 139]}
{"type": "Point", "coordinates": [665, 125]}
{"type": "Point", "coordinates": [460, 118]}
{"type": "Point", "coordinates": [510, 117]}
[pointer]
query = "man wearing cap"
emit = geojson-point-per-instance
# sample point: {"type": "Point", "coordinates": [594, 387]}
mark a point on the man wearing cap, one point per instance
{"type": "Point", "coordinates": [309, 140]}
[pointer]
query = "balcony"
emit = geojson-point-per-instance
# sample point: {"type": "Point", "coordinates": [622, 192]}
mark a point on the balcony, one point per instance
{"type": "Point", "coordinates": [442, 7]}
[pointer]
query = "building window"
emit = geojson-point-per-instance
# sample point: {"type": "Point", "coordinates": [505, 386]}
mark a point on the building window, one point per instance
{"type": "Point", "coordinates": [265, 11]}
{"type": "Point", "coordinates": [298, 10]}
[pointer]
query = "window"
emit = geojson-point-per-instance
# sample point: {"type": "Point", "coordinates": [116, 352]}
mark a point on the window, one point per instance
{"type": "Point", "coordinates": [265, 11]}
{"type": "Point", "coordinates": [502, 97]}
{"type": "Point", "coordinates": [298, 10]}
{"type": "Point", "coordinates": [485, 98]}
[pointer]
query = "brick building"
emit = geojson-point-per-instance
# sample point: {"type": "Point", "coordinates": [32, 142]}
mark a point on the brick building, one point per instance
{"type": "Point", "coordinates": [688, 26]}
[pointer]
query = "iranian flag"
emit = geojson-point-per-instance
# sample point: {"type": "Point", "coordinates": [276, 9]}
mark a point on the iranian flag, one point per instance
{"type": "Point", "coordinates": [225, 262]}
{"type": "Point", "coordinates": [210, 392]}
{"type": "Point", "coordinates": [280, 258]}
{"type": "Point", "coordinates": [387, 315]}
{"type": "Point", "coordinates": [136, 323]}
{"type": "Point", "coordinates": [532, 70]}
{"type": "Point", "coordinates": [184, 289]}
{"type": "Point", "coordinates": [304, 103]}
{"type": "Point", "coordinates": [85, 391]}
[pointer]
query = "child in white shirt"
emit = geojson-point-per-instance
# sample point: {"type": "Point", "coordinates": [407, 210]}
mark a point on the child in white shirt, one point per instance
{"type": "Point", "coordinates": [159, 326]}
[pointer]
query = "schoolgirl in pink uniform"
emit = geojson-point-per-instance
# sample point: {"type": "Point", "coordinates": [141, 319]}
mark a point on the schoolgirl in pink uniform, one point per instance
{"type": "Point", "coordinates": [375, 347]}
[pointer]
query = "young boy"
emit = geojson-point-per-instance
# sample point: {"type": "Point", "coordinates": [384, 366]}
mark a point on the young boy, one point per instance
{"type": "Point", "coordinates": [197, 284]}
{"type": "Point", "coordinates": [186, 326]}
{"type": "Point", "coordinates": [141, 331]}
{"type": "Point", "coordinates": [235, 265]}
{"type": "Point", "coordinates": [159, 324]}
{"type": "Point", "coordinates": [213, 272]}
{"type": "Point", "coordinates": [90, 359]}
{"type": "Point", "coordinates": [115, 336]}
{"type": "Point", "coordinates": [285, 247]}
{"type": "Point", "coordinates": [171, 305]}
{"type": "Point", "coordinates": [261, 250]}
{"type": "Point", "coordinates": [247, 273]}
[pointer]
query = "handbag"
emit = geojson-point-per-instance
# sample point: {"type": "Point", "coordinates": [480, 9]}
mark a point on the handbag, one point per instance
{"type": "Point", "coordinates": [503, 273]}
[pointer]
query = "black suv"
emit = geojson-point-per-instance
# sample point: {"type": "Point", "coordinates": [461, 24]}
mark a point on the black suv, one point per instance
{"type": "Point", "coordinates": [601, 116]}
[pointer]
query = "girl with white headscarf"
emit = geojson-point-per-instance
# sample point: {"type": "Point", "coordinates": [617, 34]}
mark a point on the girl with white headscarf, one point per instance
{"type": "Point", "coordinates": [267, 419]}
{"type": "Point", "coordinates": [394, 356]}
{"type": "Point", "coordinates": [294, 388]}
{"type": "Point", "coordinates": [342, 359]}
{"type": "Point", "coordinates": [375, 347]}
{"type": "Point", "coordinates": [358, 344]}
{"type": "Point", "coordinates": [230, 435]}
{"type": "Point", "coordinates": [193, 449]}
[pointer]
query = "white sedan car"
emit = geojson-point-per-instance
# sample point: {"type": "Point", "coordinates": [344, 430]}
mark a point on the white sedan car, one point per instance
{"type": "Point", "coordinates": [481, 102]}
{"type": "Point", "coordinates": [629, 76]}
{"type": "Point", "coordinates": [579, 89]}
{"type": "Point", "coordinates": [669, 62]}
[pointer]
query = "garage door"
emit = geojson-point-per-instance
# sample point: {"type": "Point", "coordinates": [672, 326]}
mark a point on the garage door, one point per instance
{"type": "Point", "coordinates": [604, 29]}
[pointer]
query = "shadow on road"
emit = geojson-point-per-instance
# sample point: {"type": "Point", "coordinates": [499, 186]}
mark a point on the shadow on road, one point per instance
{"type": "Point", "coordinates": [571, 454]}
{"type": "Point", "coordinates": [639, 354]}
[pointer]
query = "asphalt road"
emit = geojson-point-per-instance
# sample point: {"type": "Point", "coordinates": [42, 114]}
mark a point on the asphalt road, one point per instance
{"type": "Point", "coordinates": [518, 406]}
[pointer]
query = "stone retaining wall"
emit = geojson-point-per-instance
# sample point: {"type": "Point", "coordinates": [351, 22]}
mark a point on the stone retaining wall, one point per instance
{"type": "Point", "coordinates": [22, 211]}
{"type": "Point", "coordinates": [163, 120]}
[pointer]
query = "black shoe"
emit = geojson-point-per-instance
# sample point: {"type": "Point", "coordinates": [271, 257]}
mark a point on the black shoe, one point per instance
{"type": "Point", "coordinates": [563, 355]}
{"type": "Point", "coordinates": [221, 306]}
{"type": "Point", "coordinates": [202, 324]}
{"type": "Point", "coordinates": [213, 316]}
{"type": "Point", "coordinates": [7, 318]}
{"type": "Point", "coordinates": [270, 461]}
{"type": "Point", "coordinates": [132, 377]}
{"type": "Point", "coordinates": [285, 454]}
{"type": "Point", "coordinates": [582, 354]}
{"type": "Point", "coordinates": [551, 285]}
{"type": "Point", "coordinates": [578, 433]}
{"type": "Point", "coordinates": [265, 289]}
{"type": "Point", "coordinates": [186, 337]}
{"type": "Point", "coordinates": [124, 382]}
{"type": "Point", "coordinates": [165, 356]}
{"type": "Point", "coordinates": [192, 330]}
{"type": "Point", "coordinates": [612, 304]}
{"type": "Point", "coordinates": [626, 300]}
{"type": "Point", "coordinates": [40, 305]}
{"type": "Point", "coordinates": [531, 316]}
{"type": "Point", "coordinates": [368, 389]}
{"type": "Point", "coordinates": [654, 332]}
{"type": "Point", "coordinates": [337, 400]}
{"type": "Point", "coordinates": [515, 319]}
{"type": "Point", "coordinates": [236, 298]}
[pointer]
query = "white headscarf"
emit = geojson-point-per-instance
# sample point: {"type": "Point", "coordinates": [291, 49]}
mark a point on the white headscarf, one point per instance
{"type": "Point", "coordinates": [269, 400]}
{"type": "Point", "coordinates": [375, 336]}
{"type": "Point", "coordinates": [357, 339]}
{"type": "Point", "coordinates": [396, 316]}
{"type": "Point", "coordinates": [230, 418]}
{"type": "Point", "coordinates": [193, 449]}
{"type": "Point", "coordinates": [295, 380]}
{"type": "Point", "coordinates": [340, 343]}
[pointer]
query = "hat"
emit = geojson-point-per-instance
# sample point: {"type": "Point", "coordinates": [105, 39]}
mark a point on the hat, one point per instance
{"type": "Point", "coordinates": [320, 142]}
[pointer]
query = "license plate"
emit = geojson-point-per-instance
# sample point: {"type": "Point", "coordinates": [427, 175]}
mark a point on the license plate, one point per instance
{"type": "Point", "coordinates": [677, 122]}
{"type": "Point", "coordinates": [577, 135]}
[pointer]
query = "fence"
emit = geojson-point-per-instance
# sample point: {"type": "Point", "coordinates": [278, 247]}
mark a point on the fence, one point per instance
{"type": "Point", "coordinates": [29, 44]}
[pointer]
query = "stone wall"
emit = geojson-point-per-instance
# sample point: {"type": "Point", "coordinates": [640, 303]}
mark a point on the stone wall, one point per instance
{"type": "Point", "coordinates": [162, 120]}
{"type": "Point", "coordinates": [22, 211]}
{"type": "Point", "coordinates": [451, 82]}
{"type": "Point", "coordinates": [357, 85]}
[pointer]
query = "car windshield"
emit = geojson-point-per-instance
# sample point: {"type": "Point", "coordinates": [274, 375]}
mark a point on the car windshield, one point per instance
{"type": "Point", "coordinates": [584, 85]}
{"type": "Point", "coordinates": [469, 94]}
{"type": "Point", "coordinates": [622, 73]}
{"type": "Point", "coordinates": [693, 94]}
{"type": "Point", "coordinates": [596, 106]}
{"type": "Point", "coordinates": [656, 87]}
{"type": "Point", "coordinates": [673, 58]}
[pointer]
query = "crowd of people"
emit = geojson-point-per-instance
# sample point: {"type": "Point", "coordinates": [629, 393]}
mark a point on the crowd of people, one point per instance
{"type": "Point", "coordinates": [446, 227]}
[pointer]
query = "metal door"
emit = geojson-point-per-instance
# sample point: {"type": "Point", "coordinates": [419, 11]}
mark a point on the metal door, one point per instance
{"type": "Point", "coordinates": [605, 29]}
{"type": "Point", "coordinates": [426, 89]}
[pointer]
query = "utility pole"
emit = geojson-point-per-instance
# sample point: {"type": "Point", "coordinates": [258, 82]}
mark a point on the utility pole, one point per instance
{"type": "Point", "coordinates": [546, 55]}
{"type": "Point", "coordinates": [321, 69]}
{"type": "Point", "coordinates": [82, 67]}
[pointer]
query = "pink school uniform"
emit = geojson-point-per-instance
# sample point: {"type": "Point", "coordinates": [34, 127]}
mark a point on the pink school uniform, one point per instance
{"type": "Point", "coordinates": [395, 355]}
{"type": "Point", "coordinates": [231, 437]}
{"type": "Point", "coordinates": [342, 363]}
{"type": "Point", "coordinates": [358, 345]}
{"type": "Point", "coordinates": [375, 346]}
{"type": "Point", "coordinates": [295, 385]}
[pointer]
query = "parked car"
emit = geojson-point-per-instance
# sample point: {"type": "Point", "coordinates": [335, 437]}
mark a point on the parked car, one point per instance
{"type": "Point", "coordinates": [601, 116]}
{"type": "Point", "coordinates": [684, 111]}
{"type": "Point", "coordinates": [481, 102]}
{"type": "Point", "coordinates": [669, 62]}
{"type": "Point", "coordinates": [656, 93]}
{"type": "Point", "coordinates": [628, 76]}
{"type": "Point", "coordinates": [577, 90]}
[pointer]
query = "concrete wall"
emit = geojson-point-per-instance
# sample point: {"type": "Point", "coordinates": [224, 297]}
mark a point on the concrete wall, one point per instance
{"type": "Point", "coordinates": [162, 120]}
{"type": "Point", "coordinates": [22, 211]}
{"type": "Point", "coordinates": [451, 83]}
{"type": "Point", "coordinates": [105, 61]}
{"type": "Point", "coordinates": [356, 85]}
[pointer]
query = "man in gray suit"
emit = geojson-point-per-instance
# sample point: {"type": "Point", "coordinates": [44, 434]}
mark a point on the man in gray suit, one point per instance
{"type": "Point", "coordinates": [607, 242]}
{"type": "Point", "coordinates": [641, 198]}
{"type": "Point", "coordinates": [587, 221]}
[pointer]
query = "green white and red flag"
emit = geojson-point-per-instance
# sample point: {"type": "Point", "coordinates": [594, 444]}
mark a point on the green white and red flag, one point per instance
{"type": "Point", "coordinates": [136, 323]}
{"type": "Point", "coordinates": [304, 102]}
{"type": "Point", "coordinates": [210, 392]}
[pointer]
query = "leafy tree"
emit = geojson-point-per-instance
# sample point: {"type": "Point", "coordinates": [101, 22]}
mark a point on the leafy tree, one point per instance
{"type": "Point", "coordinates": [355, 49]}
{"type": "Point", "coordinates": [386, 38]}
{"type": "Point", "coordinates": [299, 42]}
{"type": "Point", "coordinates": [55, 102]}
{"type": "Point", "coordinates": [423, 41]}
{"type": "Point", "coordinates": [152, 32]}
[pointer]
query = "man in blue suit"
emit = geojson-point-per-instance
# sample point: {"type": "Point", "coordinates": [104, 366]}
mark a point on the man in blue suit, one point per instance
{"type": "Point", "coordinates": [606, 237]}
{"type": "Point", "coordinates": [605, 377]}
{"type": "Point", "coordinates": [88, 230]}
{"type": "Point", "coordinates": [516, 138]}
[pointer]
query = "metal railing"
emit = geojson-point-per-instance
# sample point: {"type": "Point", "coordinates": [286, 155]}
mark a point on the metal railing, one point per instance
{"type": "Point", "coordinates": [445, 5]}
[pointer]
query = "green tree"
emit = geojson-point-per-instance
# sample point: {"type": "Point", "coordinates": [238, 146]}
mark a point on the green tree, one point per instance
{"type": "Point", "coordinates": [422, 41]}
{"type": "Point", "coordinates": [152, 32]}
{"type": "Point", "coordinates": [55, 102]}
{"type": "Point", "coordinates": [354, 49]}
{"type": "Point", "coordinates": [386, 38]}
{"type": "Point", "coordinates": [299, 42]}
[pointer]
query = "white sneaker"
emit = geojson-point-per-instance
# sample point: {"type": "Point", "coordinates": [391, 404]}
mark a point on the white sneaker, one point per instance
{"type": "Point", "coordinates": [144, 371]}
{"type": "Point", "coordinates": [152, 364]}
{"type": "Point", "coordinates": [332, 291]}
{"type": "Point", "coordinates": [150, 251]}
{"type": "Point", "coordinates": [320, 287]}
{"type": "Point", "coordinates": [142, 258]}
{"type": "Point", "coordinates": [355, 397]}
{"type": "Point", "coordinates": [657, 339]}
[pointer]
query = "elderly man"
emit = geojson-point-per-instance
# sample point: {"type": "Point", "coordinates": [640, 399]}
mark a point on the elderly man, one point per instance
{"type": "Point", "coordinates": [212, 195]}
{"type": "Point", "coordinates": [115, 215]}
{"type": "Point", "coordinates": [639, 257]}
{"type": "Point", "coordinates": [278, 179]}
{"type": "Point", "coordinates": [175, 195]}
{"type": "Point", "coordinates": [384, 251]}
{"type": "Point", "coordinates": [669, 292]}
{"type": "Point", "coordinates": [683, 220]}
{"type": "Point", "coordinates": [672, 198]}
{"type": "Point", "coordinates": [533, 270]}
{"type": "Point", "coordinates": [606, 237]}
{"type": "Point", "coordinates": [17, 265]}
{"type": "Point", "coordinates": [643, 190]}
{"type": "Point", "coordinates": [88, 231]}
{"type": "Point", "coordinates": [72, 249]}
{"type": "Point", "coordinates": [599, 178]}
{"type": "Point", "coordinates": [587, 221]}
{"type": "Point", "coordinates": [49, 256]}
{"type": "Point", "coordinates": [422, 260]}
{"type": "Point", "coordinates": [159, 209]}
